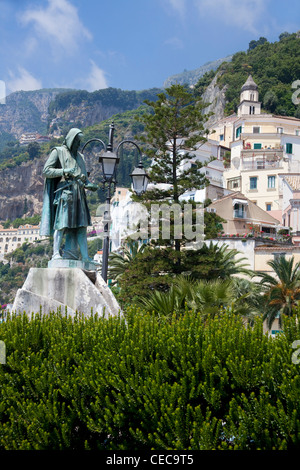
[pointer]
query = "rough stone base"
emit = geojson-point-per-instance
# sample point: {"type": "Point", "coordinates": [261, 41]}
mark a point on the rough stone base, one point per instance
{"type": "Point", "coordinates": [71, 263]}
{"type": "Point", "coordinates": [48, 289]}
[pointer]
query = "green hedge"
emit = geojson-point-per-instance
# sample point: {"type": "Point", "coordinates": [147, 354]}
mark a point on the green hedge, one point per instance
{"type": "Point", "coordinates": [144, 383]}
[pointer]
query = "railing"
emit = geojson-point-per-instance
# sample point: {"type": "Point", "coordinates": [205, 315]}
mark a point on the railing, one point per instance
{"type": "Point", "coordinates": [260, 165]}
{"type": "Point", "coordinates": [238, 214]}
{"type": "Point", "coordinates": [261, 159]}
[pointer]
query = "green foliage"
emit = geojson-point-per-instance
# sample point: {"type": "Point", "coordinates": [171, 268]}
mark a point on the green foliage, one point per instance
{"type": "Point", "coordinates": [174, 125]}
{"type": "Point", "coordinates": [170, 128]}
{"type": "Point", "coordinates": [114, 97]}
{"type": "Point", "coordinates": [94, 246]}
{"type": "Point", "coordinates": [213, 224]}
{"type": "Point", "coordinates": [203, 82]}
{"type": "Point", "coordinates": [34, 220]}
{"type": "Point", "coordinates": [119, 262]}
{"type": "Point", "coordinates": [281, 292]}
{"type": "Point", "coordinates": [14, 273]}
{"type": "Point", "coordinates": [142, 384]}
{"type": "Point", "coordinates": [253, 44]}
{"type": "Point", "coordinates": [156, 268]}
{"type": "Point", "coordinates": [274, 67]}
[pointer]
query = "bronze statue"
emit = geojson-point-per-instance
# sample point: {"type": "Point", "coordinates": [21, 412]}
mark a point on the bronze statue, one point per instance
{"type": "Point", "coordinates": [65, 209]}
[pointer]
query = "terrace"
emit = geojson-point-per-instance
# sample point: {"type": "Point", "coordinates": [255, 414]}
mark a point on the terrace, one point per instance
{"type": "Point", "coordinates": [261, 159]}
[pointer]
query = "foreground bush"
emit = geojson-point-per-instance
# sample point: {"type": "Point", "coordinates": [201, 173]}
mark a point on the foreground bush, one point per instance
{"type": "Point", "coordinates": [91, 383]}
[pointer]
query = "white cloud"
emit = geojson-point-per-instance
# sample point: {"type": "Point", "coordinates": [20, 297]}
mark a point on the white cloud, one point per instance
{"type": "Point", "coordinates": [179, 6]}
{"type": "Point", "coordinates": [245, 14]}
{"type": "Point", "coordinates": [24, 81]}
{"type": "Point", "coordinates": [174, 42]}
{"type": "Point", "coordinates": [96, 79]}
{"type": "Point", "coordinates": [58, 22]}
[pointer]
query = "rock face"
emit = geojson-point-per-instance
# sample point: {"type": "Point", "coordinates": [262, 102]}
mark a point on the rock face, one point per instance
{"type": "Point", "coordinates": [216, 97]}
{"type": "Point", "coordinates": [26, 111]}
{"type": "Point", "coordinates": [18, 183]}
{"type": "Point", "coordinates": [70, 289]}
{"type": "Point", "coordinates": [88, 115]}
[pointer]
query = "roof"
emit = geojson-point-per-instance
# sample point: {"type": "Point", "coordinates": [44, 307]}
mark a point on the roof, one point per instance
{"type": "Point", "coordinates": [279, 248]}
{"type": "Point", "coordinates": [293, 182]}
{"type": "Point", "coordinates": [256, 214]}
{"type": "Point", "coordinates": [249, 84]}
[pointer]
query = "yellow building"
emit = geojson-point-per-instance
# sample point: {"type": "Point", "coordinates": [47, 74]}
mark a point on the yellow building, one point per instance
{"type": "Point", "coordinates": [263, 148]}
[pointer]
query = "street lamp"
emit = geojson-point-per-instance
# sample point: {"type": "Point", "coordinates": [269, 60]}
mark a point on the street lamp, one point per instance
{"type": "Point", "coordinates": [139, 179]}
{"type": "Point", "coordinates": [109, 161]}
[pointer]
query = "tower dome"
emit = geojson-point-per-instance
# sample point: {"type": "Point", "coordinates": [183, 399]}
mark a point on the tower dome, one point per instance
{"type": "Point", "coordinates": [249, 84]}
{"type": "Point", "coordinates": [249, 103]}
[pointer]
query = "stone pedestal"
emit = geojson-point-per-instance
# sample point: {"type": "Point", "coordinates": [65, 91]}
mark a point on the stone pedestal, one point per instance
{"type": "Point", "coordinates": [69, 288]}
{"type": "Point", "coordinates": [71, 263]}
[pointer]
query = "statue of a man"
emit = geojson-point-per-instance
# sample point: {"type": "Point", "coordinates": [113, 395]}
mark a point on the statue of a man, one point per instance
{"type": "Point", "coordinates": [65, 209]}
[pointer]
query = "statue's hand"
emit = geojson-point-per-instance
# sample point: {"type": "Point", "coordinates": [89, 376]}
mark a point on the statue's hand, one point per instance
{"type": "Point", "coordinates": [83, 178]}
{"type": "Point", "coordinates": [91, 187]}
{"type": "Point", "coordinates": [69, 171]}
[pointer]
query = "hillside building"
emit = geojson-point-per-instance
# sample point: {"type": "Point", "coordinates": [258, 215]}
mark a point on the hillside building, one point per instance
{"type": "Point", "coordinates": [243, 217]}
{"type": "Point", "coordinates": [263, 148]}
{"type": "Point", "coordinates": [13, 238]}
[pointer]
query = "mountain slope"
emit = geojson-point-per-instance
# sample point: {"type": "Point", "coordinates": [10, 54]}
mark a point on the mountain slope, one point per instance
{"type": "Point", "coordinates": [26, 111]}
{"type": "Point", "coordinates": [191, 77]}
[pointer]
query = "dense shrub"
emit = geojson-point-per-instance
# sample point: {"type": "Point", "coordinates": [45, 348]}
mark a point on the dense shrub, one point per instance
{"type": "Point", "coordinates": [142, 384]}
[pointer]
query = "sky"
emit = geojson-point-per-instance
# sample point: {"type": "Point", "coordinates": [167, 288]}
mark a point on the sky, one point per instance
{"type": "Point", "coordinates": [127, 44]}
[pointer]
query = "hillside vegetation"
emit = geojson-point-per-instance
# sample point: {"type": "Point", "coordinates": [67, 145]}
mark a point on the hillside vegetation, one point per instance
{"type": "Point", "coordinates": [273, 66]}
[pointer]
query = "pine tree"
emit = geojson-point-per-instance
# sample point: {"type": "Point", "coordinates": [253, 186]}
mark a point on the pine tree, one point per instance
{"type": "Point", "coordinates": [173, 129]}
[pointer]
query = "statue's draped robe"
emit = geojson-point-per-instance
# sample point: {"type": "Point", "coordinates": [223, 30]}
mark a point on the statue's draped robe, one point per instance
{"type": "Point", "coordinates": [66, 208]}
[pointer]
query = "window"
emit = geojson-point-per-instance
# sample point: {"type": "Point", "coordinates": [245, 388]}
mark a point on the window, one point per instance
{"type": "Point", "coordinates": [297, 132]}
{"type": "Point", "coordinates": [279, 130]}
{"type": "Point", "coordinates": [239, 211]}
{"type": "Point", "coordinates": [268, 206]}
{"type": "Point", "coordinates": [257, 146]}
{"type": "Point", "coordinates": [233, 183]}
{"type": "Point", "coordinates": [252, 110]}
{"type": "Point", "coordinates": [238, 132]}
{"type": "Point", "coordinates": [256, 130]}
{"type": "Point", "coordinates": [271, 182]}
{"type": "Point", "coordinates": [221, 136]}
{"type": "Point", "coordinates": [289, 148]}
{"type": "Point", "coordinates": [253, 182]}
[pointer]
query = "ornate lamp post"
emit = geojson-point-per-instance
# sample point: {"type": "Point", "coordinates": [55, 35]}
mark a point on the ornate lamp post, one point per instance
{"type": "Point", "coordinates": [109, 161]}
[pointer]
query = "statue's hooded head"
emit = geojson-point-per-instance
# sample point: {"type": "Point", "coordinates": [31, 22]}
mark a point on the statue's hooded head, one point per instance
{"type": "Point", "coordinates": [70, 137]}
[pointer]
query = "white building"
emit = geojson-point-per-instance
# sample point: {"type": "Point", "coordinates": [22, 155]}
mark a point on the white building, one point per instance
{"type": "Point", "coordinates": [263, 147]}
{"type": "Point", "coordinates": [13, 238]}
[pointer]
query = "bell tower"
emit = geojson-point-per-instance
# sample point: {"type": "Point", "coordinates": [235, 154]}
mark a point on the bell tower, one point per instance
{"type": "Point", "coordinates": [249, 103]}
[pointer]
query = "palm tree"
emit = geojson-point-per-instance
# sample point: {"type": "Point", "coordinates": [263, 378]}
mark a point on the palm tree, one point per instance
{"type": "Point", "coordinates": [119, 262]}
{"type": "Point", "coordinates": [230, 265]}
{"type": "Point", "coordinates": [211, 297]}
{"type": "Point", "coordinates": [207, 297]}
{"type": "Point", "coordinates": [281, 293]}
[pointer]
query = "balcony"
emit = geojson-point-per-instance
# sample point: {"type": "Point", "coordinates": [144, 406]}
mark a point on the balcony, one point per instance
{"type": "Point", "coordinates": [262, 159]}
{"type": "Point", "coordinates": [239, 214]}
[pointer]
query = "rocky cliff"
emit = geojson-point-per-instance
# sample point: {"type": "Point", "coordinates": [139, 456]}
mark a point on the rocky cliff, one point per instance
{"type": "Point", "coordinates": [217, 99]}
{"type": "Point", "coordinates": [26, 111]}
{"type": "Point", "coordinates": [24, 182]}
